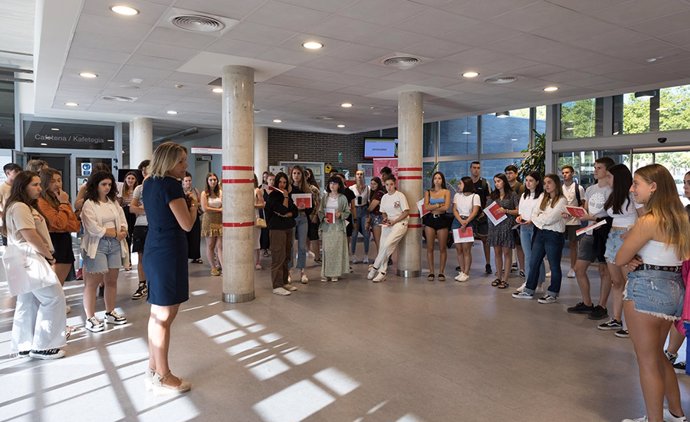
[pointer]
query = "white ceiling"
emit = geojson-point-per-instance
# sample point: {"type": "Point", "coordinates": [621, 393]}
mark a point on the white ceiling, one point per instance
{"type": "Point", "coordinates": [586, 47]}
{"type": "Point", "coordinates": [17, 33]}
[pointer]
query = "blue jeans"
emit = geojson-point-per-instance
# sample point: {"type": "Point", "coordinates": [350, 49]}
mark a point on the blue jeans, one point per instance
{"type": "Point", "coordinates": [361, 222]}
{"type": "Point", "coordinates": [526, 235]}
{"type": "Point", "coordinates": [301, 236]}
{"type": "Point", "coordinates": [550, 244]}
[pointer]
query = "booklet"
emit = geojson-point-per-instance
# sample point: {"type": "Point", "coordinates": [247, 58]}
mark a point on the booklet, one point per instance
{"type": "Point", "coordinates": [589, 229]}
{"type": "Point", "coordinates": [330, 215]}
{"type": "Point", "coordinates": [494, 214]}
{"type": "Point", "coordinates": [465, 235]}
{"type": "Point", "coordinates": [577, 212]}
{"type": "Point", "coordinates": [302, 200]}
{"type": "Point", "coordinates": [422, 210]}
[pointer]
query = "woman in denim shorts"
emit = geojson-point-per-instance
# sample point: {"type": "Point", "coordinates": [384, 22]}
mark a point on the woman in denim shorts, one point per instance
{"type": "Point", "coordinates": [103, 247]}
{"type": "Point", "coordinates": [654, 250]}
{"type": "Point", "coordinates": [375, 216]}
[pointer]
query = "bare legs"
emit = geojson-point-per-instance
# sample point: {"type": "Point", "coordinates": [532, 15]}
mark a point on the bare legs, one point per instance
{"type": "Point", "coordinates": [464, 257]}
{"type": "Point", "coordinates": [160, 323]}
{"type": "Point", "coordinates": [62, 270]}
{"type": "Point", "coordinates": [617, 285]}
{"type": "Point", "coordinates": [91, 283]}
{"type": "Point", "coordinates": [504, 258]}
{"type": "Point", "coordinates": [214, 251]}
{"type": "Point", "coordinates": [443, 248]}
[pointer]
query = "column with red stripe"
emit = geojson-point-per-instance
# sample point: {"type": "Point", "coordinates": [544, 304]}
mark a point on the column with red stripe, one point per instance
{"type": "Point", "coordinates": [410, 125]}
{"type": "Point", "coordinates": [238, 184]}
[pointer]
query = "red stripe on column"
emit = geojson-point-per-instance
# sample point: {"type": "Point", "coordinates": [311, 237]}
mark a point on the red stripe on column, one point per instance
{"type": "Point", "coordinates": [245, 224]}
{"type": "Point", "coordinates": [409, 169]}
{"type": "Point", "coordinates": [409, 177]}
{"type": "Point", "coordinates": [238, 168]}
{"type": "Point", "coordinates": [238, 180]}
{"type": "Point", "coordinates": [413, 215]}
{"type": "Point", "coordinates": [414, 226]}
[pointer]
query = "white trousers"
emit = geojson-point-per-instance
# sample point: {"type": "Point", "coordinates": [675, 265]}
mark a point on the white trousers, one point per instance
{"type": "Point", "coordinates": [390, 237]}
{"type": "Point", "coordinates": [39, 320]}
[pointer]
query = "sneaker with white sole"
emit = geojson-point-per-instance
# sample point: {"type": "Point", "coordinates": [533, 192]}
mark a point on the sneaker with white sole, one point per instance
{"type": "Point", "coordinates": [523, 295]}
{"type": "Point", "coordinates": [115, 318]}
{"type": "Point", "coordinates": [334, 279]}
{"type": "Point", "coordinates": [372, 273]}
{"type": "Point", "coordinates": [47, 354]}
{"type": "Point", "coordinates": [679, 367]}
{"type": "Point", "coordinates": [354, 260]}
{"type": "Point", "coordinates": [668, 417]}
{"type": "Point", "coordinates": [281, 292]}
{"type": "Point", "coordinates": [522, 287]}
{"type": "Point", "coordinates": [462, 277]}
{"type": "Point", "coordinates": [671, 356]}
{"type": "Point", "coordinates": [289, 287]}
{"type": "Point", "coordinates": [546, 299]}
{"type": "Point", "coordinates": [642, 419]}
{"type": "Point", "coordinates": [379, 278]}
{"type": "Point", "coordinates": [304, 279]}
{"type": "Point", "coordinates": [142, 291]}
{"type": "Point", "coordinates": [622, 333]}
{"type": "Point", "coordinates": [289, 278]}
{"type": "Point", "coordinates": [571, 273]}
{"type": "Point", "coordinates": [610, 325]}
{"type": "Point", "coordinates": [94, 325]}
{"type": "Point", "coordinates": [365, 260]}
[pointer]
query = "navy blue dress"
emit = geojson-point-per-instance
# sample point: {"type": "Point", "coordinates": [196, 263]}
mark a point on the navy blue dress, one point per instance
{"type": "Point", "coordinates": [165, 252]}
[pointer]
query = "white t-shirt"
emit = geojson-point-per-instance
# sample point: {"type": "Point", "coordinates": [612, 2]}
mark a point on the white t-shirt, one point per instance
{"type": "Point", "coordinates": [364, 200]}
{"type": "Point", "coordinates": [465, 203]}
{"type": "Point", "coordinates": [571, 200]}
{"type": "Point", "coordinates": [527, 206]}
{"type": "Point", "coordinates": [394, 205]}
{"type": "Point", "coordinates": [628, 214]}
{"type": "Point", "coordinates": [20, 216]}
{"type": "Point", "coordinates": [596, 197]}
{"type": "Point", "coordinates": [138, 194]}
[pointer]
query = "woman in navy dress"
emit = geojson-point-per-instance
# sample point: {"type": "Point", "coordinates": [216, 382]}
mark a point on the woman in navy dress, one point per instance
{"type": "Point", "coordinates": [170, 214]}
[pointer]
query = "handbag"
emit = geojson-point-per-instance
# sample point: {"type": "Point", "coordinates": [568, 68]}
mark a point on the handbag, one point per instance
{"type": "Point", "coordinates": [26, 270]}
{"type": "Point", "coordinates": [260, 222]}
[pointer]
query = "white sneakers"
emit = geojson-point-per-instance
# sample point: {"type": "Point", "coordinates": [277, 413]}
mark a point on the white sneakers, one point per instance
{"type": "Point", "coordinates": [281, 292]}
{"type": "Point", "coordinates": [289, 287]}
{"type": "Point", "coordinates": [571, 273]}
{"type": "Point", "coordinates": [365, 260]}
{"type": "Point", "coordinates": [462, 277]}
{"type": "Point", "coordinates": [668, 417]}
{"type": "Point", "coordinates": [304, 279]}
{"type": "Point", "coordinates": [354, 260]}
{"type": "Point", "coordinates": [523, 295]}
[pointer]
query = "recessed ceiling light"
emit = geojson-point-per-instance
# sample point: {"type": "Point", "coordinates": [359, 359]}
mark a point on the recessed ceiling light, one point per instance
{"type": "Point", "coordinates": [341, 126]}
{"type": "Point", "coordinates": [110, 140]}
{"type": "Point", "coordinates": [551, 89]}
{"type": "Point", "coordinates": [44, 144]}
{"type": "Point", "coordinates": [54, 129]}
{"type": "Point", "coordinates": [124, 10]}
{"type": "Point", "coordinates": [312, 45]}
{"type": "Point", "coordinates": [346, 105]}
{"type": "Point", "coordinates": [171, 112]}
{"type": "Point", "coordinates": [88, 75]}
{"type": "Point", "coordinates": [71, 104]}
{"type": "Point", "coordinates": [470, 74]}
{"type": "Point", "coordinates": [277, 121]}
{"type": "Point", "coordinates": [218, 90]}
{"type": "Point", "coordinates": [466, 133]}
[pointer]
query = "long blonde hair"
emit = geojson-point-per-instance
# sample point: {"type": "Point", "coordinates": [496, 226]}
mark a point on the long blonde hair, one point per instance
{"type": "Point", "coordinates": [165, 157]}
{"type": "Point", "coordinates": [547, 197]}
{"type": "Point", "coordinates": [665, 207]}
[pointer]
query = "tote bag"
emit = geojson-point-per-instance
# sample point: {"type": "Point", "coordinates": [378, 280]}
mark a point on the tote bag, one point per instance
{"type": "Point", "coordinates": [26, 270]}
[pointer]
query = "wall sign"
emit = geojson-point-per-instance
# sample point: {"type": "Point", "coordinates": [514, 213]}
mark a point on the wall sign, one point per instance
{"type": "Point", "coordinates": [40, 134]}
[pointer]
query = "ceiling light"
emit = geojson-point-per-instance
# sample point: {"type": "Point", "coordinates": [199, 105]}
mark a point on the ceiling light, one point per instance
{"type": "Point", "coordinates": [124, 10]}
{"type": "Point", "coordinates": [110, 140]}
{"type": "Point", "coordinates": [171, 112]}
{"type": "Point", "coordinates": [341, 126]}
{"type": "Point", "coordinates": [312, 45]}
{"type": "Point", "coordinates": [218, 90]}
{"type": "Point", "coordinates": [277, 121]}
{"type": "Point", "coordinates": [466, 133]}
{"type": "Point", "coordinates": [346, 105]}
{"type": "Point", "coordinates": [88, 75]}
{"type": "Point", "coordinates": [470, 74]}
{"type": "Point", "coordinates": [71, 104]}
{"type": "Point", "coordinates": [44, 144]}
{"type": "Point", "coordinates": [54, 129]}
{"type": "Point", "coordinates": [645, 95]}
{"type": "Point", "coordinates": [551, 89]}
{"type": "Point", "coordinates": [502, 114]}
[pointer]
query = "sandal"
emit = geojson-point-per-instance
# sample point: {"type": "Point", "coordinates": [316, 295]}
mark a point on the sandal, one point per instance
{"type": "Point", "coordinates": [430, 277]}
{"type": "Point", "coordinates": [441, 277]}
{"type": "Point", "coordinates": [503, 284]}
{"type": "Point", "coordinates": [496, 282]}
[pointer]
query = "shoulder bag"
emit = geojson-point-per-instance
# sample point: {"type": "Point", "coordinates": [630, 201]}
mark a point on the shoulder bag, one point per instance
{"type": "Point", "coordinates": [26, 270]}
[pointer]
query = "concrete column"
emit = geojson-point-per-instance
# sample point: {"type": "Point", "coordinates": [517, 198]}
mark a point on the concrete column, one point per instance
{"type": "Point", "coordinates": [140, 141]}
{"type": "Point", "coordinates": [238, 184]}
{"type": "Point", "coordinates": [260, 150]}
{"type": "Point", "coordinates": [410, 126]}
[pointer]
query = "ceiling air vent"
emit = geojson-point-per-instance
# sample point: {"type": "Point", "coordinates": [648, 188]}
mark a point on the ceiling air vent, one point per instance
{"type": "Point", "coordinates": [500, 80]}
{"type": "Point", "coordinates": [401, 62]}
{"type": "Point", "coordinates": [197, 23]}
{"type": "Point", "coordinates": [119, 98]}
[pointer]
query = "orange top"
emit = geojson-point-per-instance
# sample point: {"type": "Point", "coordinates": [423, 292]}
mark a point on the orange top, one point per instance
{"type": "Point", "coordinates": [61, 219]}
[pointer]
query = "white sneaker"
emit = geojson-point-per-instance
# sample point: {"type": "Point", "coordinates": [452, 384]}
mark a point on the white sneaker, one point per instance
{"type": "Point", "coordinates": [372, 273]}
{"type": "Point", "coordinates": [115, 318]}
{"type": "Point", "coordinates": [547, 299]}
{"type": "Point", "coordinates": [354, 260]}
{"type": "Point", "coordinates": [324, 278]}
{"type": "Point", "coordinates": [379, 278]}
{"type": "Point", "coordinates": [289, 278]}
{"type": "Point", "coordinates": [365, 260]}
{"type": "Point", "coordinates": [668, 417]}
{"type": "Point", "coordinates": [94, 325]}
{"type": "Point", "coordinates": [289, 287]}
{"type": "Point", "coordinates": [522, 288]}
{"type": "Point", "coordinates": [304, 279]}
{"type": "Point", "coordinates": [571, 273]}
{"type": "Point", "coordinates": [523, 295]}
{"type": "Point", "coordinates": [334, 279]}
{"type": "Point", "coordinates": [642, 419]}
{"type": "Point", "coordinates": [462, 277]}
{"type": "Point", "coordinates": [281, 292]}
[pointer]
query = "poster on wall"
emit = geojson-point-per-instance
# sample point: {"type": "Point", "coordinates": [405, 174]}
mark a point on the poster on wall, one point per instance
{"type": "Point", "coordinates": [380, 163]}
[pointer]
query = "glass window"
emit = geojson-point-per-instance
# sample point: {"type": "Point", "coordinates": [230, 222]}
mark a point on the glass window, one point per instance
{"type": "Point", "coordinates": [458, 136]}
{"type": "Point", "coordinates": [452, 170]}
{"type": "Point", "coordinates": [582, 119]}
{"type": "Point", "coordinates": [490, 168]}
{"type": "Point", "coordinates": [632, 112]}
{"type": "Point", "coordinates": [583, 163]}
{"type": "Point", "coordinates": [7, 115]}
{"type": "Point", "coordinates": [674, 108]}
{"type": "Point", "coordinates": [429, 139]}
{"type": "Point", "coordinates": [540, 119]}
{"type": "Point", "coordinates": [389, 133]}
{"type": "Point", "coordinates": [505, 132]}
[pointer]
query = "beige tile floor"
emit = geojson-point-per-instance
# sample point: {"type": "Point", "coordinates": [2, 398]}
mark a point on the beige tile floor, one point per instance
{"type": "Point", "coordinates": [405, 350]}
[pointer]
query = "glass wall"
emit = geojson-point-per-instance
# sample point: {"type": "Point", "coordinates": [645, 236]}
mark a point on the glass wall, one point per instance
{"type": "Point", "coordinates": [503, 133]}
{"type": "Point", "coordinates": [458, 136]}
{"type": "Point", "coordinates": [490, 168]}
{"type": "Point", "coordinates": [674, 108]}
{"type": "Point", "coordinates": [6, 115]}
{"type": "Point", "coordinates": [430, 132]}
{"type": "Point", "coordinates": [582, 119]}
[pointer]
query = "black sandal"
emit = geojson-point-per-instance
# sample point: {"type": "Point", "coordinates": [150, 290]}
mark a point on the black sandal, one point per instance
{"type": "Point", "coordinates": [503, 285]}
{"type": "Point", "coordinates": [496, 282]}
{"type": "Point", "coordinates": [441, 277]}
{"type": "Point", "coordinates": [430, 277]}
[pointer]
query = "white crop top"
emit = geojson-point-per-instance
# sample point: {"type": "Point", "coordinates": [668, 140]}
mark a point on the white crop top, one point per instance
{"type": "Point", "coordinates": [628, 214]}
{"type": "Point", "coordinates": [659, 253]}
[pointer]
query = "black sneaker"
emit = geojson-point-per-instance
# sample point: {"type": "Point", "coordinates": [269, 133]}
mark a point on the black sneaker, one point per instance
{"type": "Point", "coordinates": [457, 268]}
{"type": "Point", "coordinates": [610, 325]}
{"type": "Point", "coordinates": [142, 291]}
{"type": "Point", "coordinates": [47, 354]}
{"type": "Point", "coordinates": [488, 269]}
{"type": "Point", "coordinates": [599, 312]}
{"type": "Point", "coordinates": [622, 333]}
{"type": "Point", "coordinates": [581, 308]}
{"type": "Point", "coordinates": [522, 274]}
{"type": "Point", "coordinates": [671, 356]}
{"type": "Point", "coordinates": [23, 353]}
{"type": "Point", "coordinates": [679, 366]}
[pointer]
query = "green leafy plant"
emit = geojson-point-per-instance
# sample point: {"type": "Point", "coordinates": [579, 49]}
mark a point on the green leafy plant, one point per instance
{"type": "Point", "coordinates": [535, 156]}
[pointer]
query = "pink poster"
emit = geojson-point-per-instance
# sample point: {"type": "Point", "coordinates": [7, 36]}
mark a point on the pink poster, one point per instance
{"type": "Point", "coordinates": [380, 163]}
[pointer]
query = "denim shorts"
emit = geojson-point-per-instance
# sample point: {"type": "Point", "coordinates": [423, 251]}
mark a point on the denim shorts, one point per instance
{"type": "Point", "coordinates": [658, 293]}
{"type": "Point", "coordinates": [376, 220]}
{"type": "Point", "coordinates": [108, 256]}
{"type": "Point", "coordinates": [613, 244]}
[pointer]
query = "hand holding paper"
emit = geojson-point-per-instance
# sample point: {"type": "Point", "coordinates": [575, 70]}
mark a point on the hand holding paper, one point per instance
{"type": "Point", "coordinates": [496, 216]}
